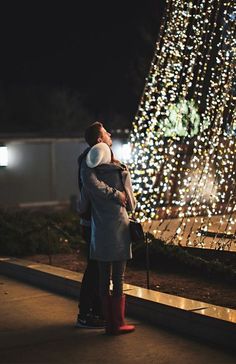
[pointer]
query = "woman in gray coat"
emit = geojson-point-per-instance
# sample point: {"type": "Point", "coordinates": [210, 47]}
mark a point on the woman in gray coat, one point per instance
{"type": "Point", "coordinates": [110, 238]}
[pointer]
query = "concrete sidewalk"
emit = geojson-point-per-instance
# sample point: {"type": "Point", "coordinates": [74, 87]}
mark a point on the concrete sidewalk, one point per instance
{"type": "Point", "coordinates": [203, 321]}
{"type": "Point", "coordinates": [37, 326]}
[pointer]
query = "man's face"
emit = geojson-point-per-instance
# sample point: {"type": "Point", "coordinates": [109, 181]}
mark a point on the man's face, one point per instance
{"type": "Point", "coordinates": [105, 137]}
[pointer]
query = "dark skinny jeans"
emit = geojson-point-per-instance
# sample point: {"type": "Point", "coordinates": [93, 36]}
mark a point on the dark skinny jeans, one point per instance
{"type": "Point", "coordinates": [89, 301]}
{"type": "Point", "coordinates": [111, 270]}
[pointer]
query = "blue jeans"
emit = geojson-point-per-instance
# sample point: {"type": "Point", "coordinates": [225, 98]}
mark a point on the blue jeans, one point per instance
{"type": "Point", "coordinates": [111, 270]}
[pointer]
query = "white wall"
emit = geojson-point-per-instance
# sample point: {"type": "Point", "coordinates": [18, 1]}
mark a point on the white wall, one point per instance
{"type": "Point", "coordinates": [40, 170]}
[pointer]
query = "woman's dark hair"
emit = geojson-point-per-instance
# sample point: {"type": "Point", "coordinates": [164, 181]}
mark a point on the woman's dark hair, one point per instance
{"type": "Point", "coordinates": [92, 133]}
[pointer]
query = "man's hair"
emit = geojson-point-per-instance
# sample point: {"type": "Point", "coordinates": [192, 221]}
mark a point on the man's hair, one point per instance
{"type": "Point", "coordinates": [92, 133]}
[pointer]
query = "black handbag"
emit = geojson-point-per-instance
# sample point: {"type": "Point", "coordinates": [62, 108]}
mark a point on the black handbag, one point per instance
{"type": "Point", "coordinates": [136, 231]}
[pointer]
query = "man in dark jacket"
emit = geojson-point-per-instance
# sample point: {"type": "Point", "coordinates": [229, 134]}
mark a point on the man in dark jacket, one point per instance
{"type": "Point", "coordinates": [90, 310]}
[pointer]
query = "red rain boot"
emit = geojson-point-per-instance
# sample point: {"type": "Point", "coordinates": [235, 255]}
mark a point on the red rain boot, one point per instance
{"type": "Point", "coordinates": [107, 312]}
{"type": "Point", "coordinates": [118, 317]}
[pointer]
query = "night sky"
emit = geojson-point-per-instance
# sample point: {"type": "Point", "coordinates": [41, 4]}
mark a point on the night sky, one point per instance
{"type": "Point", "coordinates": [100, 50]}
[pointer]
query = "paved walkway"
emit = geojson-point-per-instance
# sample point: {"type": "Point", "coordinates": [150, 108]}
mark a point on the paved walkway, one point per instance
{"type": "Point", "coordinates": [36, 326]}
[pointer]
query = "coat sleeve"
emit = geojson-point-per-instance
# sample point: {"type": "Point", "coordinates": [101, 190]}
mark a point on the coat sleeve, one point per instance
{"type": "Point", "coordinates": [97, 188]}
{"type": "Point", "coordinates": [126, 179]}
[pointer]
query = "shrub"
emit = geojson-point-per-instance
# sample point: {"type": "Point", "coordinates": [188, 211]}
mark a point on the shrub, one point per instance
{"type": "Point", "coordinates": [26, 232]}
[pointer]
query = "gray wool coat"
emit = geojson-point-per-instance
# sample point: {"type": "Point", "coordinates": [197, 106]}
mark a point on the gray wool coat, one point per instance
{"type": "Point", "coordinates": [110, 235]}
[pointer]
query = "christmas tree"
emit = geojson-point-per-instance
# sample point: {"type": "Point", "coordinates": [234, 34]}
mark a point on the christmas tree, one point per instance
{"type": "Point", "coordinates": [183, 138]}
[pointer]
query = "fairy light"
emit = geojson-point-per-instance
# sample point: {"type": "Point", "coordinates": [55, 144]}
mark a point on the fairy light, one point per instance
{"type": "Point", "coordinates": [191, 175]}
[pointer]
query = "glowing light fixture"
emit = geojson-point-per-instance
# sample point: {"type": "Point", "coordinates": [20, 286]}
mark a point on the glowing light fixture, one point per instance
{"type": "Point", "coordinates": [122, 151]}
{"type": "Point", "coordinates": [3, 156]}
{"type": "Point", "coordinates": [126, 152]}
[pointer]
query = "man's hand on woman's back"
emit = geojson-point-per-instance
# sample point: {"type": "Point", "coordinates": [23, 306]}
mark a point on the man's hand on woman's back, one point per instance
{"type": "Point", "coordinates": [123, 198]}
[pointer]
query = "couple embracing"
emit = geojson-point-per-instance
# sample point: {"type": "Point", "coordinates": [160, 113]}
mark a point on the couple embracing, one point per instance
{"type": "Point", "coordinates": [105, 196]}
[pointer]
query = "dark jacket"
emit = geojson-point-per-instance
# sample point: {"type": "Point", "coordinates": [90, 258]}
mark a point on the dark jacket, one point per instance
{"type": "Point", "coordinates": [85, 217]}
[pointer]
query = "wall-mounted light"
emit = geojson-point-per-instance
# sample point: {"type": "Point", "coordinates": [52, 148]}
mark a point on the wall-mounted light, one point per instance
{"type": "Point", "coordinates": [3, 156]}
{"type": "Point", "coordinates": [122, 151]}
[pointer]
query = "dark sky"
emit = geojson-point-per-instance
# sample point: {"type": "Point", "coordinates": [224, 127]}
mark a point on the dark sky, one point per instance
{"type": "Point", "coordinates": [100, 49]}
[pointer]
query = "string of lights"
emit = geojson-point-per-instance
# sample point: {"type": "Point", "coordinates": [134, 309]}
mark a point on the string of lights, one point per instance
{"type": "Point", "coordinates": [183, 137]}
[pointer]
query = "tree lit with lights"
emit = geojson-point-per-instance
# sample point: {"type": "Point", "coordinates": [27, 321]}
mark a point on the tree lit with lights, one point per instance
{"type": "Point", "coordinates": [183, 138]}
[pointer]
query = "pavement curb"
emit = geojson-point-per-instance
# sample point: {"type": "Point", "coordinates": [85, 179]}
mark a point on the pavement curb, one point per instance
{"type": "Point", "coordinates": [213, 324]}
